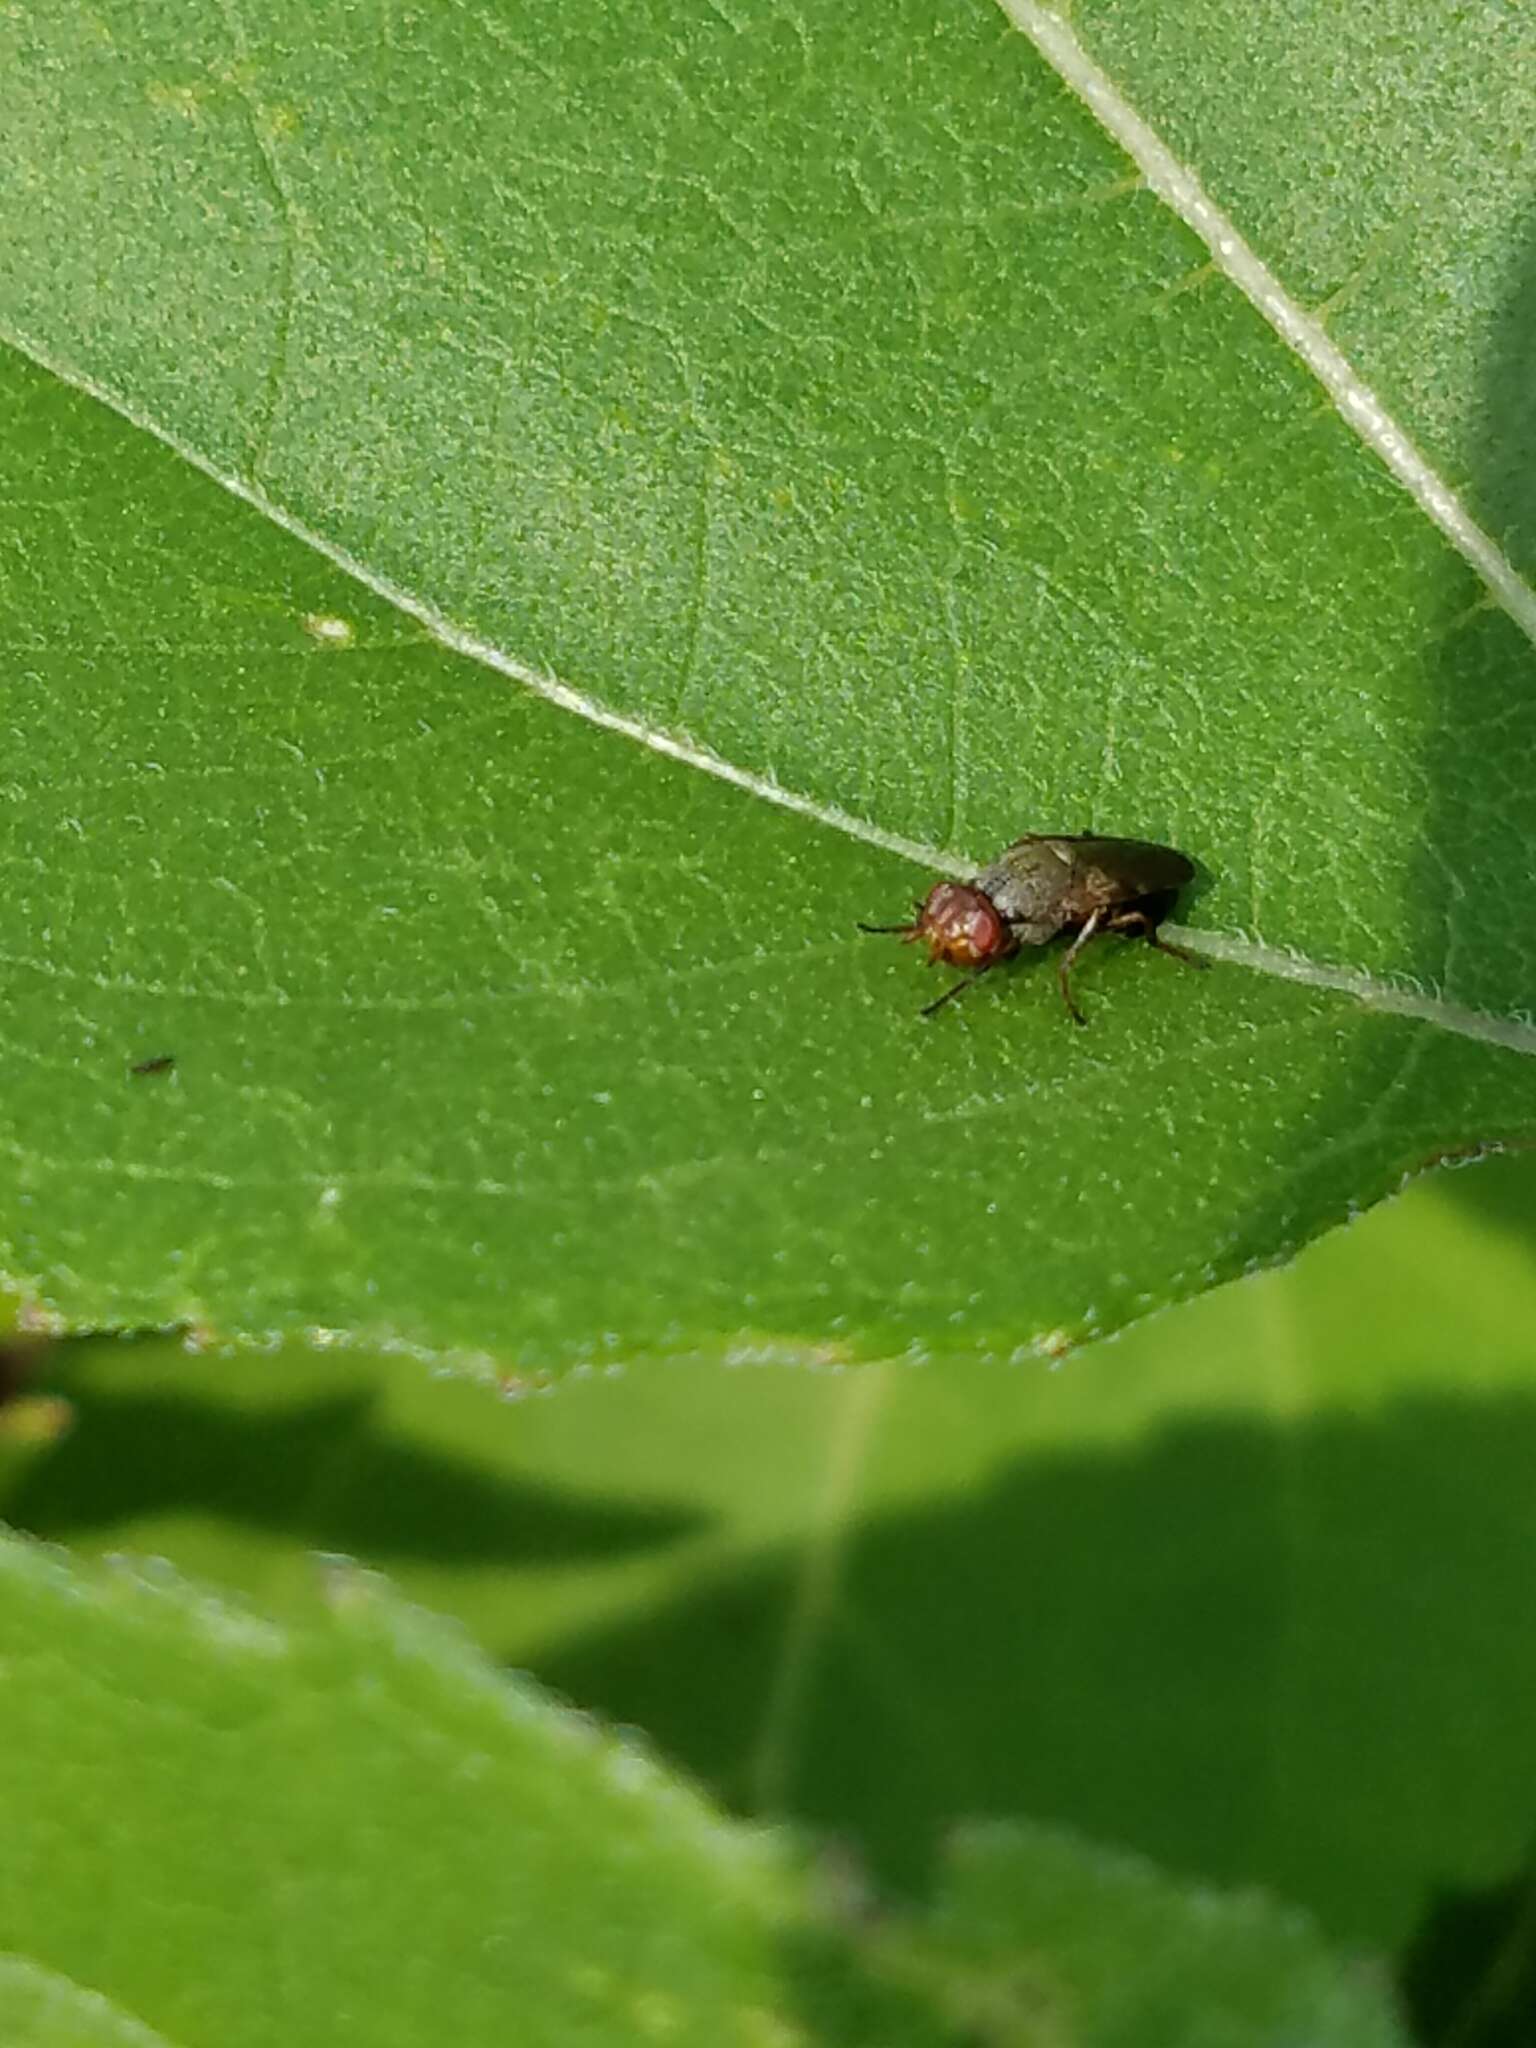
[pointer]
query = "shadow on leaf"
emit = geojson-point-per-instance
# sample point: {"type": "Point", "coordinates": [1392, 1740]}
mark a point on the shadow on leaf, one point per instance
{"type": "Point", "coordinates": [1468, 1979]}
{"type": "Point", "coordinates": [323, 1473]}
{"type": "Point", "coordinates": [1303, 1658]}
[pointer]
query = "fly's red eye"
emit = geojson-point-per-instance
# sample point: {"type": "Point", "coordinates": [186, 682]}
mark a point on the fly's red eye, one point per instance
{"type": "Point", "coordinates": [961, 926]}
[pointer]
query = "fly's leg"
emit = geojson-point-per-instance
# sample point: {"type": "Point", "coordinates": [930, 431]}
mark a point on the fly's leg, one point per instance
{"type": "Point", "coordinates": [949, 994]}
{"type": "Point", "coordinates": [1131, 923]}
{"type": "Point", "coordinates": [910, 932]}
{"type": "Point", "coordinates": [1064, 965]}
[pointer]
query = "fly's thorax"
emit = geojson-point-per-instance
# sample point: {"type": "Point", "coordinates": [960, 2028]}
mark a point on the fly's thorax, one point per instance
{"type": "Point", "coordinates": [1029, 883]}
{"type": "Point", "coordinates": [1039, 933]}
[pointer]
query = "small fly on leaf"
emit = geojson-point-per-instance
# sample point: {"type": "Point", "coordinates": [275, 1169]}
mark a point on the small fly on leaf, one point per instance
{"type": "Point", "coordinates": [1042, 885]}
{"type": "Point", "coordinates": [162, 1063]}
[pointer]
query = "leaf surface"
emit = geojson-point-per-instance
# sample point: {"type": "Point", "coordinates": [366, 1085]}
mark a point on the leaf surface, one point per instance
{"type": "Point", "coordinates": [825, 402]}
{"type": "Point", "coordinates": [1419, 115]}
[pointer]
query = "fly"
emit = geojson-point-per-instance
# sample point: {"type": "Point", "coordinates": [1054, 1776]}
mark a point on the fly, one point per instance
{"type": "Point", "coordinates": [1043, 885]}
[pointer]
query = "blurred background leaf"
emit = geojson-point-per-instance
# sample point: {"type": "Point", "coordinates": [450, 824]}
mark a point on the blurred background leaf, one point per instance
{"type": "Point", "coordinates": [1252, 1591]}
{"type": "Point", "coordinates": [351, 1825]}
{"type": "Point", "coordinates": [1040, 1938]}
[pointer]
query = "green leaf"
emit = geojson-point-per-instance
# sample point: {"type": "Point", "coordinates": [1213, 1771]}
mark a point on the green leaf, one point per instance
{"type": "Point", "coordinates": [1337, 144]}
{"type": "Point", "coordinates": [1041, 1939]}
{"type": "Point", "coordinates": [353, 1825]}
{"type": "Point", "coordinates": [828, 403]}
{"type": "Point", "coordinates": [43, 2010]}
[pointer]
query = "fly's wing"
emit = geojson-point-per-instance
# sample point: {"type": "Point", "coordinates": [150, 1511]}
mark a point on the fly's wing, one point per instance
{"type": "Point", "coordinates": [1139, 865]}
{"type": "Point", "coordinates": [1047, 881]}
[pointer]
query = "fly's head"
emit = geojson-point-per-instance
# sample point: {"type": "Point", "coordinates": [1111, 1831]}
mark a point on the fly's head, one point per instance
{"type": "Point", "coordinates": [960, 924]}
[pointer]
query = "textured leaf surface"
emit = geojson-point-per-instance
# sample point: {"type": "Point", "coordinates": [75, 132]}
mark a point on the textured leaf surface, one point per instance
{"type": "Point", "coordinates": [825, 395]}
{"type": "Point", "coordinates": [1420, 114]}
{"type": "Point", "coordinates": [352, 1826]}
